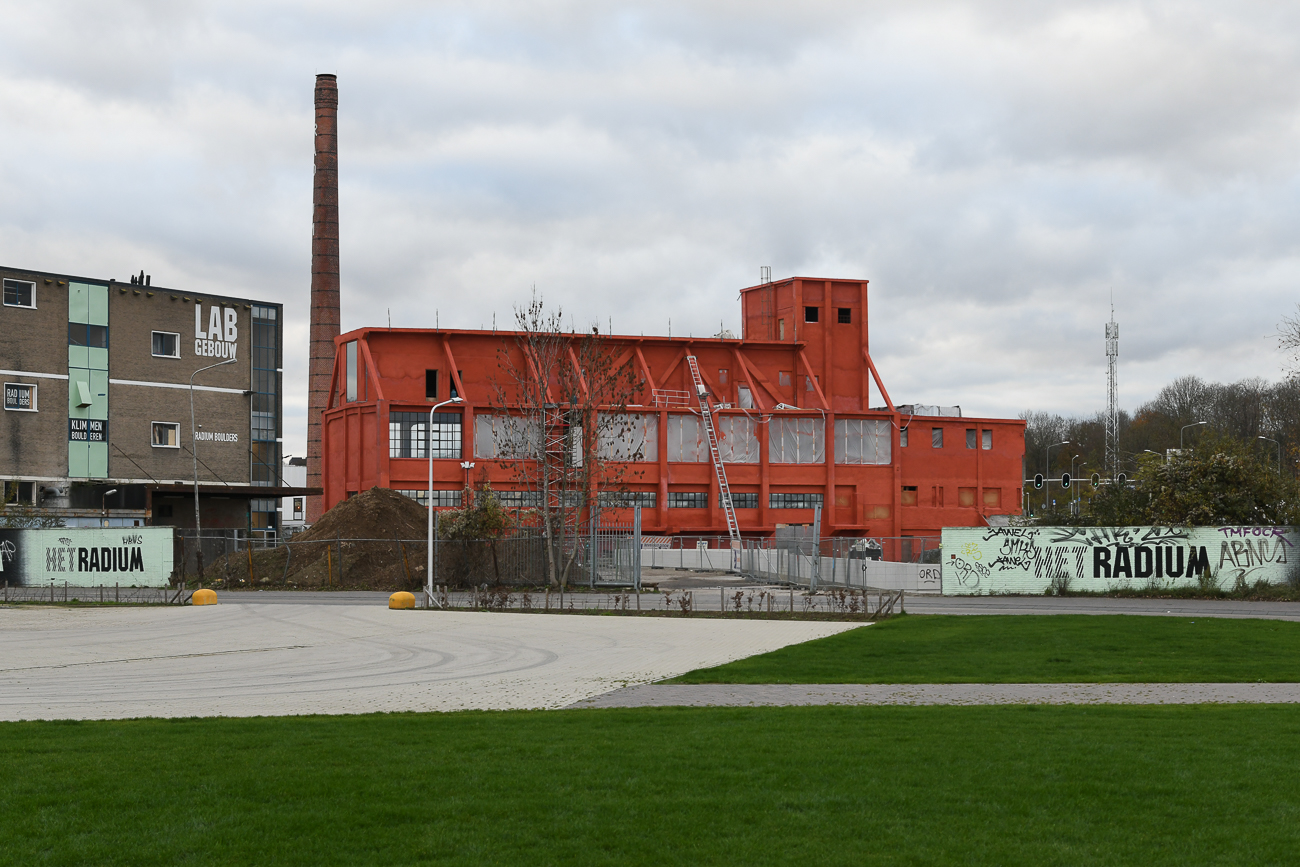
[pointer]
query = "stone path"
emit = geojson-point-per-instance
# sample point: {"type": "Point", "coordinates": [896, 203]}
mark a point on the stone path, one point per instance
{"type": "Point", "coordinates": [761, 695]}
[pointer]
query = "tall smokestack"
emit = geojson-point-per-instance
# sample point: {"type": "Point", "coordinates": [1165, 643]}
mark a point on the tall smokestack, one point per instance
{"type": "Point", "coordinates": [324, 276]}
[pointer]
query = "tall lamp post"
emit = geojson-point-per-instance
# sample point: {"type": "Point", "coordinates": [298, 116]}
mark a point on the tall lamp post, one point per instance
{"type": "Point", "coordinates": [428, 566]}
{"type": "Point", "coordinates": [1047, 488]}
{"type": "Point", "coordinates": [1074, 495]}
{"type": "Point", "coordinates": [1279, 453]}
{"type": "Point", "coordinates": [194, 447]}
{"type": "Point", "coordinates": [1185, 427]}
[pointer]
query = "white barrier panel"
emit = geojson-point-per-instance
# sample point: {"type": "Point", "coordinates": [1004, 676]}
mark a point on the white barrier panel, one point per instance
{"type": "Point", "coordinates": [132, 557]}
{"type": "Point", "coordinates": [709, 559]}
{"type": "Point", "coordinates": [1034, 559]}
{"type": "Point", "coordinates": [786, 565]}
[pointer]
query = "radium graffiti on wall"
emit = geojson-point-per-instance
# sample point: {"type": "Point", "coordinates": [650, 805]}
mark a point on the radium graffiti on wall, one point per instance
{"type": "Point", "coordinates": [1034, 559]}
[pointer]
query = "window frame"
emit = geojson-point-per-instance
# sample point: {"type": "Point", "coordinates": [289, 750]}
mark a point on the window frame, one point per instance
{"type": "Point", "coordinates": [811, 314]}
{"type": "Point", "coordinates": [32, 388]}
{"type": "Point", "coordinates": [844, 316]}
{"type": "Point", "coordinates": [972, 438]}
{"type": "Point", "coordinates": [31, 283]}
{"type": "Point", "coordinates": [175, 425]}
{"type": "Point", "coordinates": [175, 334]}
{"type": "Point", "coordinates": [936, 437]}
{"type": "Point", "coordinates": [693, 497]}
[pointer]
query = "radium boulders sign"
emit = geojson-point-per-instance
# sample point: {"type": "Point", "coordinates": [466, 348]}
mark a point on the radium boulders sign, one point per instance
{"type": "Point", "coordinates": [131, 557]}
{"type": "Point", "coordinates": [1034, 559]}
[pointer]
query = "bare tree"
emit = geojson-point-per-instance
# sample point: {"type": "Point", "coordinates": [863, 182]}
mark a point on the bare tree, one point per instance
{"type": "Point", "coordinates": [562, 424]}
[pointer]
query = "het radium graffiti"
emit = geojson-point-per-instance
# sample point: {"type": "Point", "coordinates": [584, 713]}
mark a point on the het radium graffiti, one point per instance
{"type": "Point", "coordinates": [1031, 559]}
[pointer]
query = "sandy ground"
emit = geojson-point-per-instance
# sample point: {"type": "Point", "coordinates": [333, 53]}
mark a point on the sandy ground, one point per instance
{"type": "Point", "coordinates": [758, 695]}
{"type": "Point", "coordinates": [249, 659]}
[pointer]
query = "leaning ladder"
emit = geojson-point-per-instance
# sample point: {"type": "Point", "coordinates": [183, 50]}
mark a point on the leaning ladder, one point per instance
{"type": "Point", "coordinates": [706, 410]}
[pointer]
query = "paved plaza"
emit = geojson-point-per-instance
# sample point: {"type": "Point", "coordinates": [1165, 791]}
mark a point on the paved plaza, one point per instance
{"type": "Point", "coordinates": [251, 658]}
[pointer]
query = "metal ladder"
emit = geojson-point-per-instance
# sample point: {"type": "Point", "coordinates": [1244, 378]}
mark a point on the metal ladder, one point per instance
{"type": "Point", "coordinates": [706, 410]}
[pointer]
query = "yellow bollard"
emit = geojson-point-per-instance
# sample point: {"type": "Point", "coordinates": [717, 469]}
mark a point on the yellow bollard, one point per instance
{"type": "Point", "coordinates": [204, 597]}
{"type": "Point", "coordinates": [401, 599]}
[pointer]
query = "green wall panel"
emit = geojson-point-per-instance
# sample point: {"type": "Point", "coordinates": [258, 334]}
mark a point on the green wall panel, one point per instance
{"type": "Point", "coordinates": [78, 460]}
{"type": "Point", "coordinates": [98, 460]}
{"type": "Point", "coordinates": [79, 302]}
{"type": "Point", "coordinates": [98, 298]}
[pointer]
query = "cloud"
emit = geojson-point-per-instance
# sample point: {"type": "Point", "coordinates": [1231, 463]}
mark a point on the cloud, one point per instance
{"type": "Point", "coordinates": [998, 170]}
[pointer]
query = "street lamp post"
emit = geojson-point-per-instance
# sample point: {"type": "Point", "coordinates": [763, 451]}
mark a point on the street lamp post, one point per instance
{"type": "Point", "coordinates": [1279, 453]}
{"type": "Point", "coordinates": [1047, 488]}
{"type": "Point", "coordinates": [428, 567]}
{"type": "Point", "coordinates": [103, 504]}
{"type": "Point", "coordinates": [1185, 427]}
{"type": "Point", "coordinates": [194, 448]}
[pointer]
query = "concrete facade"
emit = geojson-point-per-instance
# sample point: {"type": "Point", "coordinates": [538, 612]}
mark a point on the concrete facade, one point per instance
{"type": "Point", "coordinates": [112, 363]}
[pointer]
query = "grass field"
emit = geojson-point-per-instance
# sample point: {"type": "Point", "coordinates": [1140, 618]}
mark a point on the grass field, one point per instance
{"type": "Point", "coordinates": [1056, 648]}
{"type": "Point", "coordinates": [828, 785]}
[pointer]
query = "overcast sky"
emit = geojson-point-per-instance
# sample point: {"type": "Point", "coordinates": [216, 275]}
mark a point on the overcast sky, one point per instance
{"type": "Point", "coordinates": [997, 170]}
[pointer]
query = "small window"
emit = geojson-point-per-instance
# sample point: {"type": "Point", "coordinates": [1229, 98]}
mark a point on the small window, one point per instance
{"type": "Point", "coordinates": [902, 438]}
{"type": "Point", "coordinates": [722, 376]}
{"type": "Point", "coordinates": [744, 500]}
{"type": "Point", "coordinates": [81, 334]}
{"type": "Point", "coordinates": [351, 372]}
{"type": "Point", "coordinates": [909, 495]}
{"type": "Point", "coordinates": [810, 314]}
{"type": "Point", "coordinates": [936, 437]}
{"type": "Point", "coordinates": [744, 397]}
{"type": "Point", "coordinates": [20, 397]}
{"type": "Point", "coordinates": [808, 383]}
{"type": "Point", "coordinates": [20, 293]}
{"type": "Point", "coordinates": [166, 344]}
{"type": "Point", "coordinates": [784, 378]}
{"type": "Point", "coordinates": [166, 434]}
{"type": "Point", "coordinates": [846, 315]}
{"type": "Point", "coordinates": [431, 383]}
{"type": "Point", "coordinates": [780, 329]}
{"type": "Point", "coordinates": [452, 385]}
{"type": "Point", "coordinates": [970, 437]}
{"type": "Point", "coordinates": [987, 440]}
{"type": "Point", "coordinates": [688, 499]}
{"type": "Point", "coordinates": [992, 498]}
{"type": "Point", "coordinates": [966, 498]}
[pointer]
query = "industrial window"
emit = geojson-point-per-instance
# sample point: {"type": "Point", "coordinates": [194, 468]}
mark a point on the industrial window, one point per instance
{"type": "Point", "coordinates": [20, 293]}
{"type": "Point", "coordinates": [408, 438]}
{"type": "Point", "coordinates": [936, 437]}
{"type": "Point", "coordinates": [686, 439]}
{"type": "Point", "coordinates": [810, 314]}
{"type": "Point", "coordinates": [737, 439]}
{"type": "Point", "coordinates": [722, 376]}
{"type": "Point", "coordinates": [862, 441]}
{"type": "Point", "coordinates": [507, 437]}
{"type": "Point", "coordinates": [20, 397]}
{"type": "Point", "coordinates": [165, 434]}
{"type": "Point", "coordinates": [688, 499]}
{"type": "Point", "coordinates": [745, 500]}
{"type": "Point", "coordinates": [519, 499]}
{"type": "Point", "coordinates": [796, 441]}
{"type": "Point", "coordinates": [970, 437]}
{"type": "Point", "coordinates": [780, 329]}
{"type": "Point", "coordinates": [909, 495]}
{"type": "Point", "coordinates": [845, 315]}
{"type": "Point", "coordinates": [431, 383]}
{"type": "Point", "coordinates": [784, 378]}
{"type": "Point", "coordinates": [628, 437]}
{"type": "Point", "coordinates": [264, 454]}
{"type": "Point", "coordinates": [441, 499]}
{"type": "Point", "coordinates": [987, 443]}
{"type": "Point", "coordinates": [966, 498]}
{"type": "Point", "coordinates": [81, 334]}
{"type": "Point", "coordinates": [744, 397]}
{"type": "Point", "coordinates": [166, 344]}
{"type": "Point", "coordinates": [793, 501]}
{"type": "Point", "coordinates": [808, 383]}
{"type": "Point", "coordinates": [451, 384]}
{"type": "Point", "coordinates": [628, 499]}
{"type": "Point", "coordinates": [15, 491]}
{"type": "Point", "coordinates": [351, 382]}
{"type": "Point", "coordinates": [993, 498]}
{"type": "Point", "coordinates": [902, 438]}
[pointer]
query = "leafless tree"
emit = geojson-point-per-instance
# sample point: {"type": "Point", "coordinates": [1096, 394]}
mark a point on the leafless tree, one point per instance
{"type": "Point", "coordinates": [562, 424]}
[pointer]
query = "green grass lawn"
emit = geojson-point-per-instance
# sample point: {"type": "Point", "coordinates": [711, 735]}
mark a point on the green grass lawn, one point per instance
{"type": "Point", "coordinates": [809, 785]}
{"type": "Point", "coordinates": [1056, 648]}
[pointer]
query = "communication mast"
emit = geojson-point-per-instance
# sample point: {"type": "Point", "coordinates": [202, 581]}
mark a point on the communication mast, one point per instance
{"type": "Point", "coordinates": [1112, 396]}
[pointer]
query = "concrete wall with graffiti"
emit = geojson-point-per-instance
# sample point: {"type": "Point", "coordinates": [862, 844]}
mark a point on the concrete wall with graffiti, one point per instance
{"type": "Point", "coordinates": [1034, 559]}
{"type": "Point", "coordinates": [131, 557]}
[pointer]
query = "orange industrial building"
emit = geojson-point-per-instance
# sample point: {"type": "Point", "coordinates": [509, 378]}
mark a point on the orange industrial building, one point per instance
{"type": "Point", "coordinates": [794, 420]}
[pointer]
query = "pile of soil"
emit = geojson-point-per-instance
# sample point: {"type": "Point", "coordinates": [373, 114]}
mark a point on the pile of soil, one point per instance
{"type": "Point", "coordinates": [373, 541]}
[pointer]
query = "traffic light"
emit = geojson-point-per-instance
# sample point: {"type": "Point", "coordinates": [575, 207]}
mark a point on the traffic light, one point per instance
{"type": "Point", "coordinates": [1065, 480]}
{"type": "Point", "coordinates": [1038, 481]}
{"type": "Point", "coordinates": [1121, 478]}
{"type": "Point", "coordinates": [1096, 480]}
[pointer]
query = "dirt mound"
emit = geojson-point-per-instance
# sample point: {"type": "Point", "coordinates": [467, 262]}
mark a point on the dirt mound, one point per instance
{"type": "Point", "coordinates": [374, 514]}
{"type": "Point", "coordinates": [363, 543]}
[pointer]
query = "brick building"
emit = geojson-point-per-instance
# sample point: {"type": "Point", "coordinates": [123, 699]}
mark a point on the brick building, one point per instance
{"type": "Point", "coordinates": [97, 397]}
{"type": "Point", "coordinates": [795, 419]}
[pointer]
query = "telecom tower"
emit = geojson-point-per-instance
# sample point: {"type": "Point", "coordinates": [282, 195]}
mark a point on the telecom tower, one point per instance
{"type": "Point", "coordinates": [1112, 397]}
